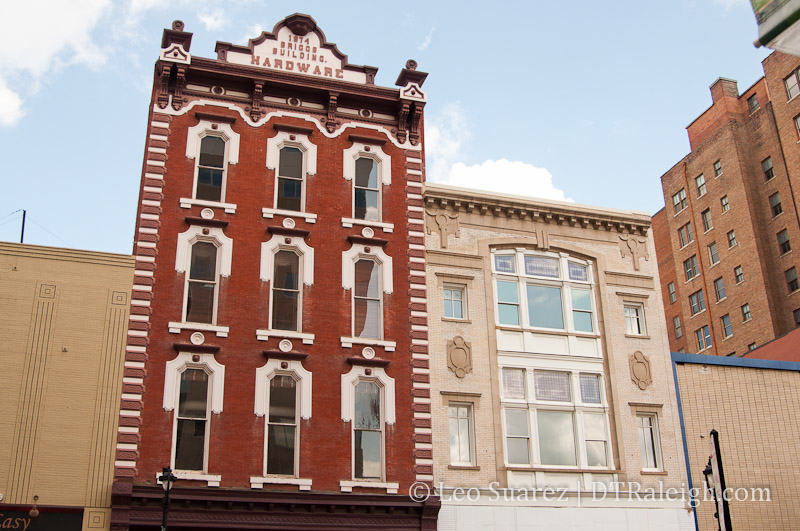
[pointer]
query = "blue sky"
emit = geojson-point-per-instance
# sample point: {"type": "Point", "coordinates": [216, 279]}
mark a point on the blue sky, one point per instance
{"type": "Point", "coordinates": [585, 101]}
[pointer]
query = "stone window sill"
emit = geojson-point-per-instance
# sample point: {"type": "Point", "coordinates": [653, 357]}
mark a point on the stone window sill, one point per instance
{"type": "Point", "coordinates": [258, 482]}
{"type": "Point", "coordinates": [385, 227]}
{"type": "Point", "coordinates": [347, 486]}
{"type": "Point", "coordinates": [221, 331]}
{"type": "Point", "coordinates": [264, 335]}
{"type": "Point", "coordinates": [187, 202]}
{"type": "Point", "coordinates": [272, 212]}
{"type": "Point", "coordinates": [350, 341]}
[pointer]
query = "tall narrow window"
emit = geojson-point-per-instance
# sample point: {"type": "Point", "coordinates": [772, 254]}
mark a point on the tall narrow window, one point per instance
{"type": "Point", "coordinates": [775, 203]}
{"type": "Point", "coordinates": [517, 437]}
{"type": "Point", "coordinates": [731, 239]}
{"type": "Point", "coordinates": [367, 190]}
{"type": "Point", "coordinates": [367, 300]}
{"type": "Point", "coordinates": [676, 324]}
{"type": "Point", "coordinates": [191, 421]}
{"type": "Point", "coordinates": [706, 216]}
{"type": "Point", "coordinates": [727, 327]}
{"type": "Point", "coordinates": [723, 201]}
{"type": "Point", "coordinates": [462, 446]}
{"type": "Point", "coordinates": [673, 296]}
{"type": "Point", "coordinates": [691, 267]}
{"type": "Point", "coordinates": [210, 168]}
{"type": "Point", "coordinates": [290, 180]}
{"type": "Point", "coordinates": [791, 280]}
{"type": "Point", "coordinates": [752, 103]}
{"type": "Point", "coordinates": [713, 253]}
{"type": "Point", "coordinates": [717, 169]}
{"type": "Point", "coordinates": [738, 273]}
{"type": "Point", "coordinates": [679, 200]}
{"type": "Point", "coordinates": [282, 425]}
{"type": "Point", "coordinates": [201, 286]}
{"type": "Point", "coordinates": [783, 241]}
{"type": "Point", "coordinates": [286, 291]}
{"type": "Point", "coordinates": [594, 427]}
{"type": "Point", "coordinates": [792, 88]}
{"type": "Point", "coordinates": [581, 310]}
{"type": "Point", "coordinates": [746, 316]}
{"type": "Point", "coordinates": [703, 338]}
{"type": "Point", "coordinates": [700, 181]}
{"type": "Point", "coordinates": [766, 167]}
{"type": "Point", "coordinates": [634, 319]}
{"type": "Point", "coordinates": [648, 441]}
{"type": "Point", "coordinates": [697, 302]}
{"type": "Point", "coordinates": [686, 234]}
{"type": "Point", "coordinates": [719, 288]}
{"type": "Point", "coordinates": [454, 302]}
{"type": "Point", "coordinates": [367, 434]}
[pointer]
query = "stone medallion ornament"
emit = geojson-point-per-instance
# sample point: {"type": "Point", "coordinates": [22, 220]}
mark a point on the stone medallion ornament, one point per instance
{"type": "Point", "coordinates": [285, 345]}
{"type": "Point", "coordinates": [445, 223]}
{"type": "Point", "coordinates": [640, 370]}
{"type": "Point", "coordinates": [636, 247]}
{"type": "Point", "coordinates": [368, 353]}
{"type": "Point", "coordinates": [459, 356]}
{"type": "Point", "coordinates": [197, 338]}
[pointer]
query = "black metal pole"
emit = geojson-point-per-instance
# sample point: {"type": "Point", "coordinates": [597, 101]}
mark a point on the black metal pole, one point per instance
{"type": "Point", "coordinates": [22, 235]}
{"type": "Point", "coordinates": [726, 513]}
{"type": "Point", "coordinates": [165, 511]}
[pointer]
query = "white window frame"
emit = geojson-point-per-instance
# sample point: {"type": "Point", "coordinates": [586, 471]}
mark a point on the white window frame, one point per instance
{"type": "Point", "coordinates": [656, 437]}
{"type": "Point", "coordinates": [700, 181]}
{"type": "Point", "coordinates": [194, 137]}
{"type": "Point", "coordinates": [183, 257]}
{"type": "Point", "coordinates": [269, 249]}
{"type": "Point", "coordinates": [470, 432]}
{"type": "Point", "coordinates": [216, 388]}
{"type": "Point", "coordinates": [679, 204]}
{"type": "Point", "coordinates": [350, 156]}
{"type": "Point", "coordinates": [387, 389]}
{"type": "Point", "coordinates": [639, 317]}
{"type": "Point", "coordinates": [358, 252]}
{"type": "Point", "coordinates": [304, 381]}
{"type": "Point", "coordinates": [455, 287]}
{"type": "Point", "coordinates": [309, 151]}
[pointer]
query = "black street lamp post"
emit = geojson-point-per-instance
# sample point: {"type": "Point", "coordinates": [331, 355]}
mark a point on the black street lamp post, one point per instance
{"type": "Point", "coordinates": [167, 479]}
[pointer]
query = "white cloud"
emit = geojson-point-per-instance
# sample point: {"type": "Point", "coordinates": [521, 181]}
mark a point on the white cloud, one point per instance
{"type": "Point", "coordinates": [252, 32]}
{"type": "Point", "coordinates": [427, 41]}
{"type": "Point", "coordinates": [10, 106]}
{"type": "Point", "coordinates": [506, 177]}
{"type": "Point", "coordinates": [445, 133]}
{"type": "Point", "coordinates": [213, 20]}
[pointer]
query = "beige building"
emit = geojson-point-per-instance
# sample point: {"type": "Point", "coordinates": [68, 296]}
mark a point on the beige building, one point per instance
{"type": "Point", "coordinates": [552, 394]}
{"type": "Point", "coordinates": [754, 404]}
{"type": "Point", "coordinates": [63, 321]}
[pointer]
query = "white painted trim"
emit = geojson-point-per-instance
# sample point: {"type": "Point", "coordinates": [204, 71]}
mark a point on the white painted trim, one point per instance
{"type": "Point", "coordinates": [182, 361]}
{"type": "Point", "coordinates": [272, 212]}
{"type": "Point", "coordinates": [349, 222]}
{"type": "Point", "coordinates": [359, 150]}
{"type": "Point", "coordinates": [265, 334]}
{"type": "Point", "coordinates": [278, 243]}
{"type": "Point", "coordinates": [295, 369]}
{"type": "Point", "coordinates": [204, 128]}
{"type": "Point", "coordinates": [194, 234]}
{"type": "Point", "coordinates": [213, 480]}
{"type": "Point", "coordinates": [347, 486]}
{"type": "Point", "coordinates": [350, 341]}
{"type": "Point", "coordinates": [175, 328]}
{"type": "Point", "coordinates": [357, 251]}
{"type": "Point", "coordinates": [258, 482]}
{"type": "Point", "coordinates": [188, 202]}
{"type": "Point", "coordinates": [357, 374]}
{"type": "Point", "coordinates": [301, 142]}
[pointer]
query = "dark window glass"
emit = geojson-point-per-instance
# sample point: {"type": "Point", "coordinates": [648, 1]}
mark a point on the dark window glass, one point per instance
{"type": "Point", "coordinates": [290, 180]}
{"type": "Point", "coordinates": [367, 431]}
{"type": "Point", "coordinates": [192, 418]}
{"type": "Point", "coordinates": [210, 168]}
{"type": "Point", "coordinates": [202, 283]}
{"type": "Point", "coordinates": [285, 291]}
{"type": "Point", "coordinates": [282, 425]}
{"type": "Point", "coordinates": [366, 190]}
{"type": "Point", "coordinates": [791, 279]}
{"type": "Point", "coordinates": [783, 241]}
{"type": "Point", "coordinates": [775, 204]}
{"type": "Point", "coordinates": [766, 166]}
{"type": "Point", "coordinates": [366, 299]}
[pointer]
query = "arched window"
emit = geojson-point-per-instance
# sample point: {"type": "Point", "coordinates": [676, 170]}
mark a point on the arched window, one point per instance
{"type": "Point", "coordinates": [282, 426]}
{"type": "Point", "coordinates": [367, 300]}
{"type": "Point", "coordinates": [201, 284]}
{"type": "Point", "coordinates": [210, 169]}
{"type": "Point", "coordinates": [286, 293]}
{"type": "Point", "coordinates": [191, 421]}
{"type": "Point", "coordinates": [289, 193]}
{"type": "Point", "coordinates": [367, 431]}
{"type": "Point", "coordinates": [366, 203]}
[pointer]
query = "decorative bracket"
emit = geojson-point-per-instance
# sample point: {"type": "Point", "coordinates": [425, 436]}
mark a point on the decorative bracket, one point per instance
{"type": "Point", "coordinates": [331, 122]}
{"type": "Point", "coordinates": [446, 224]}
{"type": "Point", "coordinates": [636, 247]}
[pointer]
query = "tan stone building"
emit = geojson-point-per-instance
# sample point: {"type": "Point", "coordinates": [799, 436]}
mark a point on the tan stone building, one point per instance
{"type": "Point", "coordinates": [63, 321]}
{"type": "Point", "coordinates": [754, 404]}
{"type": "Point", "coordinates": [549, 366]}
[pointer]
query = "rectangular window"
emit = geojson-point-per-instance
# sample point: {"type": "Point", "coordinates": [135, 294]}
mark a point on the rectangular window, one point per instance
{"type": "Point", "coordinates": [578, 272]}
{"type": "Point", "coordinates": [691, 267]}
{"type": "Point", "coordinates": [556, 431]}
{"type": "Point", "coordinates": [791, 280]}
{"type": "Point", "coordinates": [796, 315]}
{"type": "Point", "coordinates": [367, 204]}
{"type": "Point", "coordinates": [590, 388]}
{"type": "Point", "coordinates": [713, 253]}
{"type": "Point", "coordinates": [290, 180]}
{"type": "Point", "coordinates": [775, 204]}
{"type": "Point", "coordinates": [514, 383]}
{"type": "Point", "coordinates": [783, 241]}
{"type": "Point", "coordinates": [752, 103]}
{"type": "Point", "coordinates": [582, 310]}
{"type": "Point", "coordinates": [706, 216]}
{"type": "Point", "coordinates": [634, 319]}
{"type": "Point", "coordinates": [719, 288]}
{"type": "Point", "coordinates": [282, 425]}
{"type": "Point", "coordinates": [746, 312]}
{"type": "Point", "coordinates": [517, 437]}
{"type": "Point", "coordinates": [191, 421]}
{"type": "Point", "coordinates": [731, 239]}
{"type": "Point", "coordinates": [594, 428]}
{"type": "Point", "coordinates": [367, 300]}
{"type": "Point", "coordinates": [751, 346]}
{"type": "Point", "coordinates": [504, 263]}
{"type": "Point", "coordinates": [697, 302]}
{"type": "Point", "coordinates": [703, 338]}
{"type": "Point", "coordinates": [727, 328]}
{"type": "Point", "coordinates": [462, 444]}
{"type": "Point", "coordinates": [723, 201]}
{"type": "Point", "coordinates": [792, 88]}
{"type": "Point", "coordinates": [700, 181]}
{"type": "Point", "coordinates": [507, 303]}
{"type": "Point", "coordinates": [766, 167]}
{"type": "Point", "coordinates": [367, 432]}
{"type": "Point", "coordinates": [738, 272]}
{"type": "Point", "coordinates": [649, 443]}
{"type": "Point", "coordinates": [676, 324]}
{"type": "Point", "coordinates": [554, 386]}
{"type": "Point", "coordinates": [201, 284]}
{"type": "Point", "coordinates": [673, 297]}
{"type": "Point", "coordinates": [541, 266]}
{"type": "Point", "coordinates": [454, 301]}
{"type": "Point", "coordinates": [686, 234]}
{"type": "Point", "coordinates": [717, 169]}
{"type": "Point", "coordinates": [286, 291]}
{"type": "Point", "coordinates": [210, 169]}
{"type": "Point", "coordinates": [679, 200]}
{"type": "Point", "coordinates": [544, 306]}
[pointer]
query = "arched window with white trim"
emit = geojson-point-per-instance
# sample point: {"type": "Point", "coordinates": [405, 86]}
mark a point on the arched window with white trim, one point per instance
{"type": "Point", "coordinates": [202, 283]}
{"type": "Point", "coordinates": [293, 158]}
{"type": "Point", "coordinates": [367, 300]}
{"type": "Point", "coordinates": [368, 168]}
{"type": "Point", "coordinates": [210, 169]}
{"type": "Point", "coordinates": [366, 190]}
{"type": "Point", "coordinates": [214, 147]}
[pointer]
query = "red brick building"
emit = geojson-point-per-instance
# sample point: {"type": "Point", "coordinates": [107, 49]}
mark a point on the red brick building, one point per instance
{"type": "Point", "coordinates": [277, 353]}
{"type": "Point", "coordinates": [729, 274]}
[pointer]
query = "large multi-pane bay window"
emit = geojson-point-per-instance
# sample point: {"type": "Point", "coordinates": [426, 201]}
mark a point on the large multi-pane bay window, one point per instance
{"type": "Point", "coordinates": [544, 290]}
{"type": "Point", "coordinates": [555, 418]}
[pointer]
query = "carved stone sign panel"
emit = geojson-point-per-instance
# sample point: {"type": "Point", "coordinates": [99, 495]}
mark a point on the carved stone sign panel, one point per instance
{"type": "Point", "coordinates": [459, 356]}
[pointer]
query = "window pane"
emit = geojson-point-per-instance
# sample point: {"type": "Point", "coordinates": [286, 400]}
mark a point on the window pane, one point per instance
{"type": "Point", "coordinates": [590, 388]}
{"type": "Point", "coordinates": [517, 422]}
{"type": "Point", "coordinates": [460, 451]}
{"type": "Point", "coordinates": [578, 271]}
{"type": "Point", "coordinates": [280, 450]}
{"type": "Point", "coordinates": [284, 310]}
{"type": "Point", "coordinates": [596, 453]}
{"type": "Point", "coordinates": [514, 383]}
{"type": "Point", "coordinates": [541, 266]}
{"type": "Point", "coordinates": [282, 399]}
{"type": "Point", "coordinates": [200, 302]}
{"type": "Point", "coordinates": [366, 205]}
{"type": "Point", "coordinates": [366, 279]}
{"type": "Point", "coordinates": [552, 386]}
{"type": "Point", "coordinates": [647, 441]}
{"type": "Point", "coordinates": [544, 306]}
{"type": "Point", "coordinates": [190, 444]}
{"type": "Point", "coordinates": [367, 318]}
{"type": "Point", "coordinates": [366, 173]}
{"type": "Point", "coordinates": [583, 321]}
{"type": "Point", "coordinates": [507, 291]}
{"type": "Point", "coordinates": [504, 263]}
{"type": "Point", "coordinates": [209, 184]}
{"type": "Point", "coordinates": [595, 426]}
{"type": "Point", "coordinates": [368, 454]}
{"type": "Point", "coordinates": [286, 269]}
{"type": "Point", "coordinates": [291, 164]}
{"type": "Point", "coordinates": [212, 152]}
{"type": "Point", "coordinates": [581, 299]}
{"type": "Point", "coordinates": [204, 261]}
{"type": "Point", "coordinates": [508, 314]}
{"type": "Point", "coordinates": [193, 401]}
{"type": "Point", "coordinates": [518, 451]}
{"type": "Point", "coordinates": [290, 194]}
{"type": "Point", "coordinates": [367, 406]}
{"type": "Point", "coordinates": [556, 438]}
